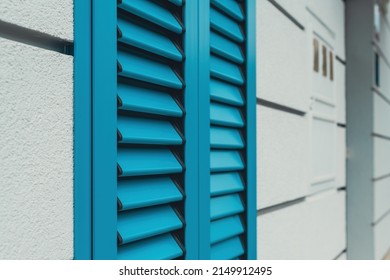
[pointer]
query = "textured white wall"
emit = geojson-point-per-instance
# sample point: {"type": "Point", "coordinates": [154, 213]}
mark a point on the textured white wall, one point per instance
{"type": "Point", "coordinates": [51, 17]}
{"type": "Point", "coordinates": [301, 157]}
{"type": "Point", "coordinates": [282, 154]}
{"type": "Point", "coordinates": [36, 153]}
{"type": "Point", "coordinates": [36, 128]}
{"type": "Point", "coordinates": [312, 229]}
{"type": "Point", "coordinates": [281, 57]}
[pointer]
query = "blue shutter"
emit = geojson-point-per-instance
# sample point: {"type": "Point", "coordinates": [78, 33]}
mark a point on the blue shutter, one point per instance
{"type": "Point", "coordinates": [156, 194]}
{"type": "Point", "coordinates": [228, 183]}
{"type": "Point", "coordinates": [150, 159]}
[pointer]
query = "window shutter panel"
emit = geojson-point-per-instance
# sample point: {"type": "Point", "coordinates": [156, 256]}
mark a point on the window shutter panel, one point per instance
{"type": "Point", "coordinates": [228, 179]}
{"type": "Point", "coordinates": [150, 120]}
{"type": "Point", "coordinates": [176, 198]}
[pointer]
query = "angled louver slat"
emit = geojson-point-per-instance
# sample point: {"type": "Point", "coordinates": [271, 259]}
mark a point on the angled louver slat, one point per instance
{"type": "Point", "coordinates": [137, 99]}
{"type": "Point", "coordinates": [226, 93]}
{"type": "Point", "coordinates": [176, 2]}
{"type": "Point", "coordinates": [153, 13]}
{"type": "Point", "coordinates": [224, 47]}
{"type": "Point", "coordinates": [162, 247]}
{"type": "Point", "coordinates": [230, 7]}
{"type": "Point", "coordinates": [147, 70]}
{"type": "Point", "coordinates": [227, 138]}
{"type": "Point", "coordinates": [147, 222]}
{"type": "Point", "coordinates": [221, 160]}
{"type": "Point", "coordinates": [142, 161]}
{"type": "Point", "coordinates": [143, 38]}
{"type": "Point", "coordinates": [226, 26]}
{"type": "Point", "coordinates": [144, 192]}
{"type": "Point", "coordinates": [226, 228]}
{"type": "Point", "coordinates": [225, 115]}
{"type": "Point", "coordinates": [226, 71]}
{"type": "Point", "coordinates": [223, 183]}
{"type": "Point", "coordinates": [227, 205]}
{"type": "Point", "coordinates": [229, 249]}
{"type": "Point", "coordinates": [133, 130]}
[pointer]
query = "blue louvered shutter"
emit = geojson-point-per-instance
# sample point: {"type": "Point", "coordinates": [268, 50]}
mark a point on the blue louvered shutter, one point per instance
{"type": "Point", "coordinates": [228, 186]}
{"type": "Point", "coordinates": [171, 197]}
{"type": "Point", "coordinates": [150, 191]}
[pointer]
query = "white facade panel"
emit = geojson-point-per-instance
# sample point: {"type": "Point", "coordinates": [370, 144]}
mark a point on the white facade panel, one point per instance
{"type": "Point", "coordinates": [381, 115]}
{"type": "Point", "coordinates": [282, 156]}
{"type": "Point", "coordinates": [384, 35]}
{"type": "Point", "coordinates": [36, 128]}
{"type": "Point", "coordinates": [384, 74]}
{"type": "Point", "coordinates": [381, 197]}
{"type": "Point", "coordinates": [323, 154]}
{"type": "Point", "coordinates": [313, 229]}
{"type": "Point", "coordinates": [281, 59]}
{"type": "Point", "coordinates": [381, 238]}
{"type": "Point", "coordinates": [381, 157]}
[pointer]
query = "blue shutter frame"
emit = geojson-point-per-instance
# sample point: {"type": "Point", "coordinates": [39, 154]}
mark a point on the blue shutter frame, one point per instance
{"type": "Point", "coordinates": [104, 123]}
{"type": "Point", "coordinates": [82, 131]}
{"type": "Point", "coordinates": [251, 197]}
{"type": "Point", "coordinates": [172, 138]}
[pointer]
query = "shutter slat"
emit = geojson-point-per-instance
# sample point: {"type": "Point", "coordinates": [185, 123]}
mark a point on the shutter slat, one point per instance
{"type": "Point", "coordinates": [137, 36]}
{"type": "Point", "coordinates": [144, 192]}
{"type": "Point", "coordinates": [224, 92]}
{"type": "Point", "coordinates": [176, 2]}
{"type": "Point", "coordinates": [225, 48]}
{"type": "Point", "coordinates": [225, 228]}
{"type": "Point", "coordinates": [227, 138]}
{"type": "Point", "coordinates": [225, 115]}
{"type": "Point", "coordinates": [224, 183]}
{"type": "Point", "coordinates": [230, 7]}
{"type": "Point", "coordinates": [141, 161]}
{"type": "Point", "coordinates": [152, 12]}
{"type": "Point", "coordinates": [226, 26]}
{"type": "Point", "coordinates": [226, 71]}
{"type": "Point", "coordinates": [223, 206]}
{"type": "Point", "coordinates": [229, 249]}
{"type": "Point", "coordinates": [147, 101]}
{"type": "Point", "coordinates": [162, 247]}
{"type": "Point", "coordinates": [134, 130]}
{"type": "Point", "coordinates": [139, 68]}
{"type": "Point", "coordinates": [139, 224]}
{"type": "Point", "coordinates": [225, 161]}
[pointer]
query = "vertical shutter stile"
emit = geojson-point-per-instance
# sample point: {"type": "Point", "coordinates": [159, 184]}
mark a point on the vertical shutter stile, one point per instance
{"type": "Point", "coordinates": [227, 129]}
{"type": "Point", "coordinates": [150, 130]}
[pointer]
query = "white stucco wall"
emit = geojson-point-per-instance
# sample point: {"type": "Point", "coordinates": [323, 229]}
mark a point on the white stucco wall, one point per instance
{"type": "Point", "coordinates": [301, 155]}
{"type": "Point", "coordinates": [36, 128]}
{"type": "Point", "coordinates": [307, 230]}
{"type": "Point", "coordinates": [51, 17]}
